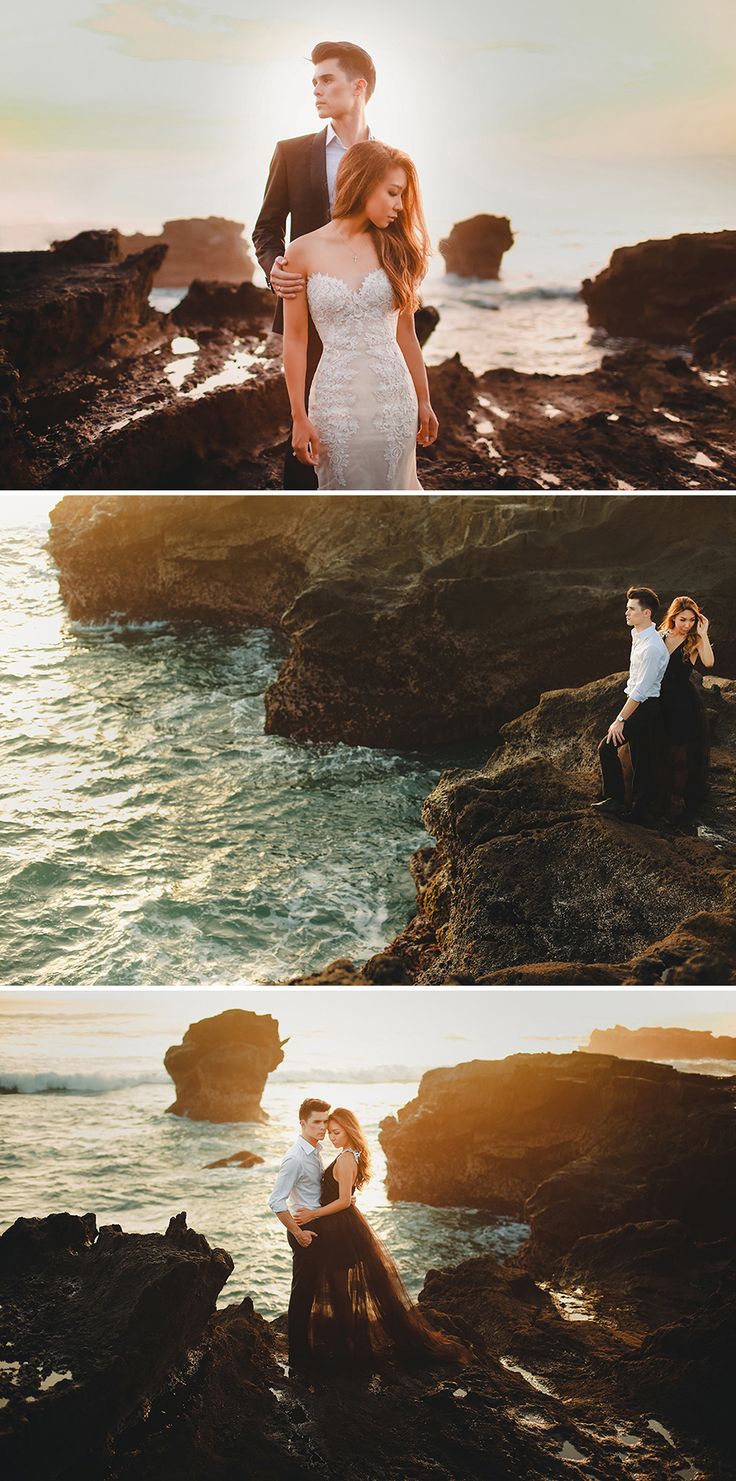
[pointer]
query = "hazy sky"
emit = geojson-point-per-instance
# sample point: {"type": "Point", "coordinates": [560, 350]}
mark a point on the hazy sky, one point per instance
{"type": "Point", "coordinates": [128, 111]}
{"type": "Point", "coordinates": [348, 1030]}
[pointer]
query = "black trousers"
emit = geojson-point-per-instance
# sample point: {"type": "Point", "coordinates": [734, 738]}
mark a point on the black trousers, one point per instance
{"type": "Point", "coordinates": [302, 475]}
{"type": "Point", "coordinates": [640, 733]}
{"type": "Point", "coordinates": [303, 1287]}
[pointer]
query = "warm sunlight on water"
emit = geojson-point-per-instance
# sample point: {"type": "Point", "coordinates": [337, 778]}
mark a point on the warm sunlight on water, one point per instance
{"type": "Point", "coordinates": [154, 834]}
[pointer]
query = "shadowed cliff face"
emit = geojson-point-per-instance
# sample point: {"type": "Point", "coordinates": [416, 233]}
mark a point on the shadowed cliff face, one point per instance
{"type": "Point", "coordinates": [413, 620]}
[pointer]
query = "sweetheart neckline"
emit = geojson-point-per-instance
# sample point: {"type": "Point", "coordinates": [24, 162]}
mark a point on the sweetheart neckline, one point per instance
{"type": "Point", "coordinates": [335, 279]}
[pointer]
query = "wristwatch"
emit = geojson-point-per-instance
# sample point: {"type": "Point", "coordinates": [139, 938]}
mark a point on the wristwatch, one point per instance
{"type": "Point", "coordinates": [619, 720]}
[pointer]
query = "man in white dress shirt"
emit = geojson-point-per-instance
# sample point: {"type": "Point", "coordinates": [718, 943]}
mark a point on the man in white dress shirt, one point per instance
{"type": "Point", "coordinates": [301, 187]}
{"type": "Point", "coordinates": [298, 1185]}
{"type": "Point", "coordinates": [636, 721]}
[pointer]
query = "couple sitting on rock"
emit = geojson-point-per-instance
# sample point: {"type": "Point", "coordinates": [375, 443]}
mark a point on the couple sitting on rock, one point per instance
{"type": "Point", "coordinates": [348, 1302]}
{"type": "Point", "coordinates": [663, 721]}
{"type": "Point", "coordinates": [348, 288]}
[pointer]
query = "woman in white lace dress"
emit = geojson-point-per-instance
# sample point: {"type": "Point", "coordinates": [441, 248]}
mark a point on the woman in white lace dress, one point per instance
{"type": "Point", "coordinates": [369, 401]}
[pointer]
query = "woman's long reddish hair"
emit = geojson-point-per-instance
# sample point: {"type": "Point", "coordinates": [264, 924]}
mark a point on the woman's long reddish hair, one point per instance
{"type": "Point", "coordinates": [403, 247]}
{"type": "Point", "coordinates": [353, 1129]}
{"type": "Point", "coordinates": [682, 604]}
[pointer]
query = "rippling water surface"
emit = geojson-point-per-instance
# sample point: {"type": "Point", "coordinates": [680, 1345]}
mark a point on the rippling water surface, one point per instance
{"type": "Point", "coordinates": [153, 833]}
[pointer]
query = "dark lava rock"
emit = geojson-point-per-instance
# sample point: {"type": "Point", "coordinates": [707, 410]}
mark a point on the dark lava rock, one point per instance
{"type": "Point", "coordinates": [198, 247]}
{"type": "Point", "coordinates": [657, 289]}
{"type": "Point", "coordinates": [576, 1144]}
{"type": "Point", "coordinates": [244, 1159]}
{"type": "Point", "coordinates": [94, 1321]}
{"type": "Point", "coordinates": [213, 303]}
{"type": "Point", "coordinates": [57, 308]}
{"type": "Point", "coordinates": [426, 320]}
{"type": "Point", "coordinates": [475, 247]}
{"type": "Point", "coordinates": [222, 1064]}
{"type": "Point", "coordinates": [527, 885]}
{"type": "Point", "coordinates": [713, 336]}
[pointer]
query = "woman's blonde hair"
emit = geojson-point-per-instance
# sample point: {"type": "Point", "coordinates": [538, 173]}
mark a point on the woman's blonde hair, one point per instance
{"type": "Point", "coordinates": [403, 247]}
{"type": "Point", "coordinates": [682, 604]}
{"type": "Point", "coordinates": [353, 1129]}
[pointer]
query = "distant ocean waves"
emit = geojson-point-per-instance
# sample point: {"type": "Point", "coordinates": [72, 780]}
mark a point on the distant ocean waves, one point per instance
{"type": "Point", "coordinates": [86, 1082]}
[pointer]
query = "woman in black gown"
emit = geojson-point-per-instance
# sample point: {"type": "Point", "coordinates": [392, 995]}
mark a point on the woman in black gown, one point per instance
{"type": "Point", "coordinates": [682, 710]}
{"type": "Point", "coordinates": [361, 1309]}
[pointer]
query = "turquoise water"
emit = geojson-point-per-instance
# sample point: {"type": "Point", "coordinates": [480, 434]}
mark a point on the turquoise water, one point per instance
{"type": "Point", "coordinates": [153, 833]}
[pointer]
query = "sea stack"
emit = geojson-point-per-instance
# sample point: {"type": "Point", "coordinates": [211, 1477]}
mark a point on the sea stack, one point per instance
{"type": "Point", "coordinates": [475, 247]}
{"type": "Point", "coordinates": [222, 1064]}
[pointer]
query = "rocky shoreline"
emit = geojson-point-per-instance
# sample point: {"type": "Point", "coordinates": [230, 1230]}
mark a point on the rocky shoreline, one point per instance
{"type": "Point", "coordinates": [608, 1340]}
{"type": "Point", "coordinates": [417, 621]}
{"type": "Point", "coordinates": [98, 390]}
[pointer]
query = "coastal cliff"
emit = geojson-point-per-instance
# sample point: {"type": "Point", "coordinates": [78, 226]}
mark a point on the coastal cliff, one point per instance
{"type": "Point", "coordinates": [420, 621]}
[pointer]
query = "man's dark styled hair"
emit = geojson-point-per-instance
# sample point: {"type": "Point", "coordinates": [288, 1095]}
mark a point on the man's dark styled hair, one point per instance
{"type": "Point", "coordinates": [354, 61]}
{"type": "Point", "coordinates": [645, 597]}
{"type": "Point", "coordinates": [308, 1108]}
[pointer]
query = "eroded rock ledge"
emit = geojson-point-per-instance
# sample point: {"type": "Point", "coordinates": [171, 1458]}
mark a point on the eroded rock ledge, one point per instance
{"type": "Point", "coordinates": [527, 885]}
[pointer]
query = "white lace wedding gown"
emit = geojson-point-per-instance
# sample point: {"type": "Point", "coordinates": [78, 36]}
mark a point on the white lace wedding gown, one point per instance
{"type": "Point", "coordinates": [362, 400]}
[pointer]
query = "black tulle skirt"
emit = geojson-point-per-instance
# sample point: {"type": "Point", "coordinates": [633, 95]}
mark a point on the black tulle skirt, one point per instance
{"type": "Point", "coordinates": [362, 1310]}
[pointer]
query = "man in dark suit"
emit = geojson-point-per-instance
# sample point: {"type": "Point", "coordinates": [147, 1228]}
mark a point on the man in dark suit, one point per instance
{"type": "Point", "coordinates": [301, 185]}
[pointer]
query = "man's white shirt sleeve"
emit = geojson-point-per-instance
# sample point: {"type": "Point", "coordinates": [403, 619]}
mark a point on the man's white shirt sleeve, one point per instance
{"type": "Point", "coordinates": [287, 1176]}
{"type": "Point", "coordinates": [650, 669]}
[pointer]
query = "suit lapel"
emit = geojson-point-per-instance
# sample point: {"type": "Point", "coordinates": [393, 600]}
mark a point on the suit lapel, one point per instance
{"type": "Point", "coordinates": [318, 175]}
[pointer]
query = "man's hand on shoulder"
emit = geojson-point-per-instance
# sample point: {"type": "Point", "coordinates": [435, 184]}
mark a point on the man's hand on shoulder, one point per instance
{"type": "Point", "coordinates": [285, 283]}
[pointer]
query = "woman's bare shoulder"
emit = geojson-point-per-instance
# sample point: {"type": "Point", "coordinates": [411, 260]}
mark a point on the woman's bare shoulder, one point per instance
{"type": "Point", "coordinates": [300, 252]}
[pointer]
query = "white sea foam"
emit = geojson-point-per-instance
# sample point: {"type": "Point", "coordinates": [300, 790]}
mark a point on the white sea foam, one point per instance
{"type": "Point", "coordinates": [48, 1082]}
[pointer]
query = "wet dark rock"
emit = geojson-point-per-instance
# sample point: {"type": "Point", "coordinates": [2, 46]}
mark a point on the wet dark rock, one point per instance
{"type": "Point", "coordinates": [57, 308]}
{"type": "Point", "coordinates": [244, 1159]}
{"type": "Point", "coordinates": [222, 1064]}
{"type": "Point", "coordinates": [208, 247]}
{"type": "Point", "coordinates": [475, 247]}
{"type": "Point", "coordinates": [95, 1322]}
{"type": "Point", "coordinates": [655, 290]}
{"type": "Point", "coordinates": [426, 320]}
{"type": "Point", "coordinates": [713, 336]}
{"type": "Point", "coordinates": [213, 303]}
{"type": "Point", "coordinates": [661, 1043]}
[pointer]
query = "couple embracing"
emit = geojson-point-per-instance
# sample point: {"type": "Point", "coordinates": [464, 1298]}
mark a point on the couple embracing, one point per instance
{"type": "Point", "coordinates": [348, 1303]}
{"type": "Point", "coordinates": [663, 720]}
{"type": "Point", "coordinates": [347, 289]}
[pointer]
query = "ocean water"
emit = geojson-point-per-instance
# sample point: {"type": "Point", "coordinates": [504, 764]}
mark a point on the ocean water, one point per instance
{"type": "Point", "coordinates": [152, 832]}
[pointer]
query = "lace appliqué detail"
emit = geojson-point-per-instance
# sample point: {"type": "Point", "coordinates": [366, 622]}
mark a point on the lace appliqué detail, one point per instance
{"type": "Point", "coordinates": [357, 327]}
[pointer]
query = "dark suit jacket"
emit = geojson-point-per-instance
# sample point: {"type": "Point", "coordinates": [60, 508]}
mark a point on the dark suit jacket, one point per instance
{"type": "Point", "coordinates": [297, 187]}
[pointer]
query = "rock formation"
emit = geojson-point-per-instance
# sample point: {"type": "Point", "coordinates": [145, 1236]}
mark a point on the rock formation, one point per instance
{"type": "Point", "coordinates": [57, 308]}
{"type": "Point", "coordinates": [713, 336]}
{"type": "Point", "coordinates": [215, 303]}
{"type": "Point", "coordinates": [657, 289]}
{"type": "Point", "coordinates": [94, 1321]}
{"type": "Point", "coordinates": [576, 1144]}
{"type": "Point", "coordinates": [475, 247]}
{"type": "Point", "coordinates": [221, 1066]}
{"type": "Point", "coordinates": [244, 1159]}
{"type": "Point", "coordinates": [528, 884]}
{"type": "Point", "coordinates": [373, 591]}
{"type": "Point", "coordinates": [660, 1043]}
{"type": "Point", "coordinates": [197, 247]}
